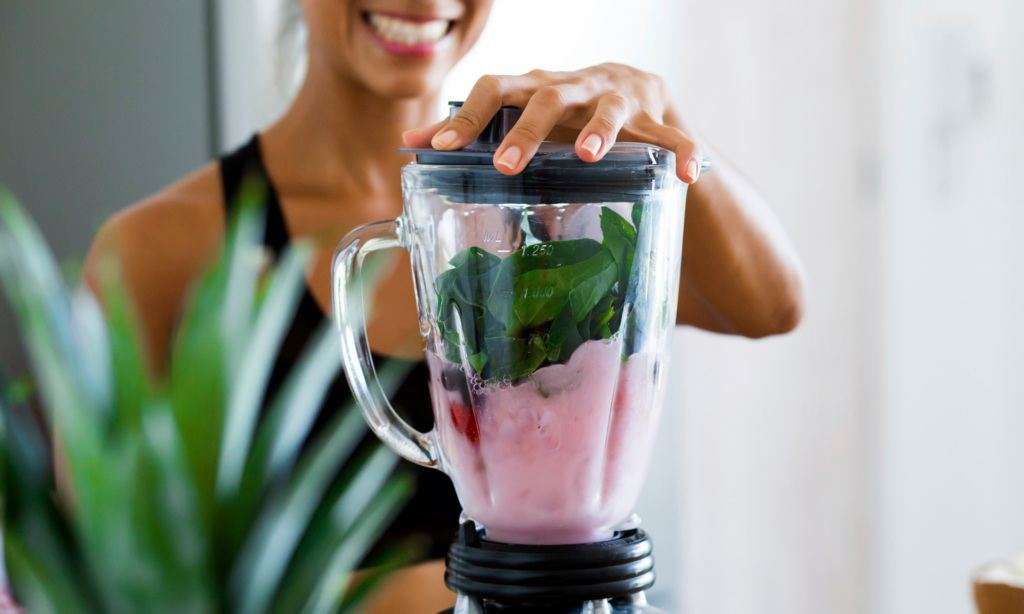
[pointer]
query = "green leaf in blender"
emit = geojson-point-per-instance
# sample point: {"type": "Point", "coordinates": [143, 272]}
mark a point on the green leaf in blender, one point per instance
{"type": "Point", "coordinates": [539, 294]}
{"type": "Point", "coordinates": [536, 257]}
{"type": "Point", "coordinates": [620, 239]}
{"type": "Point", "coordinates": [637, 214]}
{"type": "Point", "coordinates": [478, 361]}
{"type": "Point", "coordinates": [602, 314]}
{"type": "Point", "coordinates": [538, 304]}
{"type": "Point", "coordinates": [514, 358]}
{"type": "Point", "coordinates": [590, 292]}
{"type": "Point", "coordinates": [564, 337]}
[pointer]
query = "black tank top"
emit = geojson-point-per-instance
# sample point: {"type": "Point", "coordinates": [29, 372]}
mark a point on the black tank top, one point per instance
{"type": "Point", "coordinates": [431, 517]}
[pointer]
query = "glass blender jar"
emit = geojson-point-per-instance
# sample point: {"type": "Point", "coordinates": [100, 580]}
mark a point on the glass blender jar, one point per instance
{"type": "Point", "coordinates": [546, 302]}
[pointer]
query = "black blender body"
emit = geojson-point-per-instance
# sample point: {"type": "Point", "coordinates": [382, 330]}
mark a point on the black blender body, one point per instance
{"type": "Point", "coordinates": [546, 303]}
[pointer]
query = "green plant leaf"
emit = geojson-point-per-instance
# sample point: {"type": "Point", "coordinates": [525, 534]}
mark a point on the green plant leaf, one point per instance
{"type": "Point", "coordinates": [199, 373]}
{"type": "Point", "coordinates": [44, 584]}
{"type": "Point", "coordinates": [133, 384]}
{"type": "Point", "coordinates": [330, 591]}
{"type": "Point", "coordinates": [277, 533]}
{"type": "Point", "coordinates": [143, 531]}
{"type": "Point", "coordinates": [248, 388]}
{"type": "Point", "coordinates": [363, 502]}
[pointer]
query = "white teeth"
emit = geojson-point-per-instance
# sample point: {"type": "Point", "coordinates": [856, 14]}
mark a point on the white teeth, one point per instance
{"type": "Point", "coordinates": [410, 33]}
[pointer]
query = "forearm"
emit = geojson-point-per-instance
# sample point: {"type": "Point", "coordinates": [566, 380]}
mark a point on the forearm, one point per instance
{"type": "Point", "coordinates": [740, 272]}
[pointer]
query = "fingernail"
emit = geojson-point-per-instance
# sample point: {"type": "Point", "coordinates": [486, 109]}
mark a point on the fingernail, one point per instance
{"type": "Point", "coordinates": [445, 139]}
{"type": "Point", "coordinates": [592, 144]}
{"type": "Point", "coordinates": [511, 157]}
{"type": "Point", "coordinates": [692, 170]}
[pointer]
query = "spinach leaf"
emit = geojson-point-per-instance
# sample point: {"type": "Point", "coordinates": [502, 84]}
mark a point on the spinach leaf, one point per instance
{"type": "Point", "coordinates": [540, 294]}
{"type": "Point", "coordinates": [587, 294]}
{"type": "Point", "coordinates": [620, 239]}
{"type": "Point", "coordinates": [478, 361]}
{"type": "Point", "coordinates": [476, 259]}
{"type": "Point", "coordinates": [513, 358]}
{"type": "Point", "coordinates": [637, 214]}
{"type": "Point", "coordinates": [564, 336]}
{"type": "Point", "coordinates": [602, 314]}
{"type": "Point", "coordinates": [539, 304]}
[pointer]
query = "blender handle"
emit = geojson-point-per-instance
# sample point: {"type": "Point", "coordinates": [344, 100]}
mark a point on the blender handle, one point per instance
{"type": "Point", "coordinates": [350, 321]}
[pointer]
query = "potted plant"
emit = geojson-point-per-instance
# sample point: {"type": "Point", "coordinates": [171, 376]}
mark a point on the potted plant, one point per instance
{"type": "Point", "coordinates": [175, 497]}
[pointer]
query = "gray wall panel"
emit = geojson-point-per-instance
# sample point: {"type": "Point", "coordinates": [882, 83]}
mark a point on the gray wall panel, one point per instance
{"type": "Point", "coordinates": [101, 103]}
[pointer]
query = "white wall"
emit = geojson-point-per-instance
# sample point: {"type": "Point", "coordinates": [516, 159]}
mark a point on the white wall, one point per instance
{"type": "Point", "coordinates": [251, 93]}
{"type": "Point", "coordinates": [952, 429]}
{"type": "Point", "coordinates": [775, 482]}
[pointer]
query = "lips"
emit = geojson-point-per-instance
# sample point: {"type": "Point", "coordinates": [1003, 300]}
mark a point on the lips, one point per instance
{"type": "Point", "coordinates": [407, 34]}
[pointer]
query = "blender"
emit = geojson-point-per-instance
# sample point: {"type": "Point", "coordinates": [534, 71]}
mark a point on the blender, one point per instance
{"type": "Point", "coordinates": [546, 301]}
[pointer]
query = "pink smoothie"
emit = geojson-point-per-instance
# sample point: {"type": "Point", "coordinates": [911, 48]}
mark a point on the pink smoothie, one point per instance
{"type": "Point", "coordinates": [559, 458]}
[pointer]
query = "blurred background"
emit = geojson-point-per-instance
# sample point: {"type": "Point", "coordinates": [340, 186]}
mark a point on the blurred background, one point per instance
{"type": "Point", "coordinates": [865, 464]}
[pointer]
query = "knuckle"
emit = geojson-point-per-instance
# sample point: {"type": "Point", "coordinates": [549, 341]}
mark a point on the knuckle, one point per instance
{"type": "Point", "coordinates": [552, 97]}
{"type": "Point", "coordinates": [492, 84]}
{"type": "Point", "coordinates": [617, 103]}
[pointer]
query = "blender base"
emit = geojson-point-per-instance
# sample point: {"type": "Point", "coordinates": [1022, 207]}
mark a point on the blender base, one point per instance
{"type": "Point", "coordinates": [635, 604]}
{"type": "Point", "coordinates": [601, 578]}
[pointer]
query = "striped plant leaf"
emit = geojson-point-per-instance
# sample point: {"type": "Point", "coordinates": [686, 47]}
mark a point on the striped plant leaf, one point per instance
{"type": "Point", "coordinates": [158, 467]}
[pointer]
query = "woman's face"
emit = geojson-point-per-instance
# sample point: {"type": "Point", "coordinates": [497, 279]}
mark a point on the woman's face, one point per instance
{"type": "Point", "coordinates": [396, 48]}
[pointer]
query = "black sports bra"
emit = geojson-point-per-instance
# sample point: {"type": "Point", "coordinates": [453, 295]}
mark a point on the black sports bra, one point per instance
{"type": "Point", "coordinates": [431, 517]}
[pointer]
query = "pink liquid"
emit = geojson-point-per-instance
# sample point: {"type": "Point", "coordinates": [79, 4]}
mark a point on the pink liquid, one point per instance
{"type": "Point", "coordinates": [557, 459]}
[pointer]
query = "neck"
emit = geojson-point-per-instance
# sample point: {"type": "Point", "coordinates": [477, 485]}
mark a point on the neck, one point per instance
{"type": "Point", "coordinates": [339, 135]}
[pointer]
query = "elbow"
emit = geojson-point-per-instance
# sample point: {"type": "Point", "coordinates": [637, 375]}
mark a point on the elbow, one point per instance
{"type": "Point", "coordinates": [786, 316]}
{"type": "Point", "coordinates": [784, 310]}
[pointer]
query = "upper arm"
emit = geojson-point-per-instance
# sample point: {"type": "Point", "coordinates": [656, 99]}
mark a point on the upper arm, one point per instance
{"type": "Point", "coordinates": [156, 249]}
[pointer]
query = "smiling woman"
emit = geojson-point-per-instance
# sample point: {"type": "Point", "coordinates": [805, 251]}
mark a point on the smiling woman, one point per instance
{"type": "Point", "coordinates": [373, 71]}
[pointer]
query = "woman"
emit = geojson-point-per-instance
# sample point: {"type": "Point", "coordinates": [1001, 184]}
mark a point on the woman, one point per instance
{"type": "Point", "coordinates": [374, 71]}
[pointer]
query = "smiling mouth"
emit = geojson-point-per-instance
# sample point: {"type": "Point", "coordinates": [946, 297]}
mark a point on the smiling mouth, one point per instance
{"type": "Point", "coordinates": [407, 33]}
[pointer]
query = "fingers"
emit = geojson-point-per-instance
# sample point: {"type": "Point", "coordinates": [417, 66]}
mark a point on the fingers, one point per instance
{"type": "Point", "coordinates": [420, 137]}
{"type": "Point", "coordinates": [688, 153]}
{"type": "Point", "coordinates": [600, 133]}
{"type": "Point", "coordinates": [480, 106]}
{"type": "Point", "coordinates": [544, 111]}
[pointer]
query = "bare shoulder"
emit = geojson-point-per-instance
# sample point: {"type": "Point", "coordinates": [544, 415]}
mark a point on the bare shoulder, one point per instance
{"type": "Point", "coordinates": [160, 246]}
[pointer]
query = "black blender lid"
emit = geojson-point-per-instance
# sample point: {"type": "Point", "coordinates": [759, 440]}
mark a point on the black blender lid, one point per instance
{"type": "Point", "coordinates": [558, 155]}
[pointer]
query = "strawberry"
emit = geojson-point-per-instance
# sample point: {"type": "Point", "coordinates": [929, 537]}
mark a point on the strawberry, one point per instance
{"type": "Point", "coordinates": [464, 421]}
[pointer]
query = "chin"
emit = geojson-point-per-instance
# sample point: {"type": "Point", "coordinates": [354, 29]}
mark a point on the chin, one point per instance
{"type": "Point", "coordinates": [401, 84]}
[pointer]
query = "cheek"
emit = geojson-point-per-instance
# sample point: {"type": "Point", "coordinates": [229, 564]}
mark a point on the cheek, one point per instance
{"type": "Point", "coordinates": [477, 11]}
{"type": "Point", "coordinates": [327, 22]}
